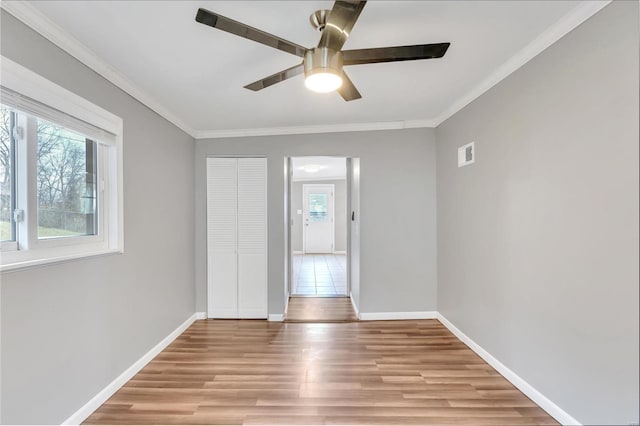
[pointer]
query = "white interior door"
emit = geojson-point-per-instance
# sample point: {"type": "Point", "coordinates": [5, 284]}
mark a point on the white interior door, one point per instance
{"type": "Point", "coordinates": [252, 238]}
{"type": "Point", "coordinates": [222, 241]}
{"type": "Point", "coordinates": [237, 237]}
{"type": "Point", "coordinates": [318, 222]}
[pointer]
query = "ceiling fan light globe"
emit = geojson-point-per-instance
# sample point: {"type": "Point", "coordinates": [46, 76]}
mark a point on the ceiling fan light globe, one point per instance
{"type": "Point", "coordinates": [323, 82]}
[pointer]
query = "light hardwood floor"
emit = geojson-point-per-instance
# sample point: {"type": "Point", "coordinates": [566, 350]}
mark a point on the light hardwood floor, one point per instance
{"type": "Point", "coordinates": [320, 309]}
{"type": "Point", "coordinates": [378, 372]}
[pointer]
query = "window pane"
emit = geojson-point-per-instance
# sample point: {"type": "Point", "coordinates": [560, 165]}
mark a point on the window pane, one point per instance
{"type": "Point", "coordinates": [318, 207]}
{"type": "Point", "coordinates": [7, 175]}
{"type": "Point", "coordinates": [67, 203]}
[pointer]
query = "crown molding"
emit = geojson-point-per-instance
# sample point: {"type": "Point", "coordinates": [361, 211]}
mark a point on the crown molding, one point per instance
{"type": "Point", "coordinates": [33, 18]}
{"type": "Point", "coordinates": [562, 27]}
{"type": "Point", "coordinates": [39, 22]}
{"type": "Point", "coordinates": [323, 128]}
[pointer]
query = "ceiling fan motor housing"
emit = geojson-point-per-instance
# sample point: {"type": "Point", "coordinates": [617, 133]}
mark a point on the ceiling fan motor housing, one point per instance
{"type": "Point", "coordinates": [322, 59]}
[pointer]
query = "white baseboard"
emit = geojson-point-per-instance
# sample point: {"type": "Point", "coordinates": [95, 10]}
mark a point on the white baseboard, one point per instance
{"type": "Point", "coordinates": [355, 307]}
{"type": "Point", "coordinates": [545, 403]}
{"type": "Point", "coordinates": [201, 315]}
{"type": "Point", "coordinates": [87, 409]}
{"type": "Point", "coordinates": [276, 317]}
{"type": "Point", "coordinates": [381, 316]}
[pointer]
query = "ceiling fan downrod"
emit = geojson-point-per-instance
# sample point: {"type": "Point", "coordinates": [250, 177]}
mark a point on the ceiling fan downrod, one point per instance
{"type": "Point", "coordinates": [318, 19]}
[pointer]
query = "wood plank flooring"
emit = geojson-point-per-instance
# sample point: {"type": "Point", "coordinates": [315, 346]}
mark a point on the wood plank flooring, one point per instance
{"type": "Point", "coordinates": [320, 309]}
{"type": "Point", "coordinates": [377, 372]}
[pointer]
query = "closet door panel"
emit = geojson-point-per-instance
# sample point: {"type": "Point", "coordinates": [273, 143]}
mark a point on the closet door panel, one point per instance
{"type": "Point", "coordinates": [224, 296]}
{"type": "Point", "coordinates": [222, 242]}
{"type": "Point", "coordinates": [252, 288]}
{"type": "Point", "coordinates": [252, 237]}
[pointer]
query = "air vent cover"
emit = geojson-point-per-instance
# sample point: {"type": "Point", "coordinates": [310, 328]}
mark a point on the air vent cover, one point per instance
{"type": "Point", "coordinates": [466, 154]}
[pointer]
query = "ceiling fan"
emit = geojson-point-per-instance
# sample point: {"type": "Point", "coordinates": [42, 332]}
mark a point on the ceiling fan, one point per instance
{"type": "Point", "coordinates": [323, 65]}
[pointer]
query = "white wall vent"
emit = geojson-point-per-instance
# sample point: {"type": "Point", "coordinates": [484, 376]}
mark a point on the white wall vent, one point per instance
{"type": "Point", "coordinates": [466, 154]}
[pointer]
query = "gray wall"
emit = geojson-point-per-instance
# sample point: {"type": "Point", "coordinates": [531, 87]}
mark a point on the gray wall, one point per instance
{"type": "Point", "coordinates": [398, 240]}
{"type": "Point", "coordinates": [538, 240]}
{"type": "Point", "coordinates": [69, 329]}
{"type": "Point", "coordinates": [340, 217]}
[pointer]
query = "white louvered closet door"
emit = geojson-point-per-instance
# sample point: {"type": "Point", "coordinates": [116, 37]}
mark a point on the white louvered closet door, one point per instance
{"type": "Point", "coordinates": [252, 238]}
{"type": "Point", "coordinates": [236, 237]}
{"type": "Point", "coordinates": [222, 237]}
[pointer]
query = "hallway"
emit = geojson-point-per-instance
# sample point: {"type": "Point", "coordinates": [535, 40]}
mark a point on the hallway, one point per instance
{"type": "Point", "coordinates": [323, 275]}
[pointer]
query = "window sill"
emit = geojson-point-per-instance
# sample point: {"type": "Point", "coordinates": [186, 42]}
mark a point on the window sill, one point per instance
{"type": "Point", "coordinates": [12, 264]}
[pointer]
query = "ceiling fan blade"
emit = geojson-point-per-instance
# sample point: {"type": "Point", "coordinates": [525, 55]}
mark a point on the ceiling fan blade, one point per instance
{"type": "Point", "coordinates": [275, 78]}
{"type": "Point", "coordinates": [340, 22]}
{"type": "Point", "coordinates": [348, 90]}
{"type": "Point", "coordinates": [214, 20]}
{"type": "Point", "coordinates": [393, 54]}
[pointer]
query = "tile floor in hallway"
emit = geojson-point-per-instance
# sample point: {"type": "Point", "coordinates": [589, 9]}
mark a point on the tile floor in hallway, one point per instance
{"type": "Point", "coordinates": [319, 275]}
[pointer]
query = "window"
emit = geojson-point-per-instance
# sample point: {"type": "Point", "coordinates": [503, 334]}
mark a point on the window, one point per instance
{"type": "Point", "coordinates": [67, 179]}
{"type": "Point", "coordinates": [318, 207]}
{"type": "Point", "coordinates": [60, 173]}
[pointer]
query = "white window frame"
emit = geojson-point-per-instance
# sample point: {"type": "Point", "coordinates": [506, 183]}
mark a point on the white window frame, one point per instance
{"type": "Point", "coordinates": [29, 250]}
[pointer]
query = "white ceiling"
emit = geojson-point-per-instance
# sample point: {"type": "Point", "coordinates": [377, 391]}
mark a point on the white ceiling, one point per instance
{"type": "Point", "coordinates": [196, 73]}
{"type": "Point", "coordinates": [327, 168]}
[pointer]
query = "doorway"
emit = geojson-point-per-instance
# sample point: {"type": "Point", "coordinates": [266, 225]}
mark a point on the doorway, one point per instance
{"type": "Point", "coordinates": [319, 223]}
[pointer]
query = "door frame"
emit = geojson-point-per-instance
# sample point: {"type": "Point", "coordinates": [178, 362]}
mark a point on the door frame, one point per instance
{"type": "Point", "coordinates": [333, 214]}
{"type": "Point", "coordinates": [288, 184]}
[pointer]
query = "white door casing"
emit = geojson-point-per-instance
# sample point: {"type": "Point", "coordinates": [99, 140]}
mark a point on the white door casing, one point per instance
{"type": "Point", "coordinates": [318, 227]}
